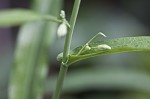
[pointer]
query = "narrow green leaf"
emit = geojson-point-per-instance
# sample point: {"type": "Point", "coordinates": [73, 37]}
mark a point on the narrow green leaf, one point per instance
{"type": "Point", "coordinates": [82, 80]}
{"type": "Point", "coordinates": [19, 16]}
{"type": "Point", "coordinates": [127, 44]}
{"type": "Point", "coordinates": [32, 53]}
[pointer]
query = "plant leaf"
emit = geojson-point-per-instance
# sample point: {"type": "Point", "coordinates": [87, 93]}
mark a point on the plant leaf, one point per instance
{"type": "Point", "coordinates": [126, 44]}
{"type": "Point", "coordinates": [82, 80]}
{"type": "Point", "coordinates": [19, 16]}
{"type": "Point", "coordinates": [31, 54]}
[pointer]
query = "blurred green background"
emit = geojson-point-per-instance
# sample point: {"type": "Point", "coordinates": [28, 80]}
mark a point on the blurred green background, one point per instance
{"type": "Point", "coordinates": [116, 76]}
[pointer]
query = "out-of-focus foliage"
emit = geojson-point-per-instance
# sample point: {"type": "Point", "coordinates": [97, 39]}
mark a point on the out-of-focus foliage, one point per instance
{"type": "Point", "coordinates": [106, 79]}
{"type": "Point", "coordinates": [19, 16]}
{"type": "Point", "coordinates": [31, 55]}
{"type": "Point", "coordinates": [5, 61]}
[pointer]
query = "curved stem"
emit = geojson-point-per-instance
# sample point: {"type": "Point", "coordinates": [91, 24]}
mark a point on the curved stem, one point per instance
{"type": "Point", "coordinates": [64, 68]}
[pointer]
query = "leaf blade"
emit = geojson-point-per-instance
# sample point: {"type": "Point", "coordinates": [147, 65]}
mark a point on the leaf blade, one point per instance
{"type": "Point", "coordinates": [20, 16]}
{"type": "Point", "coordinates": [126, 44]}
{"type": "Point", "coordinates": [105, 79]}
{"type": "Point", "coordinates": [31, 54]}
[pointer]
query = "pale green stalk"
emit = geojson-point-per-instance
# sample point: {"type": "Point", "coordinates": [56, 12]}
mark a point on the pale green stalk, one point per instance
{"type": "Point", "coordinates": [64, 67]}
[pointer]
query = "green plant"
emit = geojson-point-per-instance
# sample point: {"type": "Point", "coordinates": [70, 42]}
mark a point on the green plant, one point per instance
{"type": "Point", "coordinates": [91, 49]}
{"type": "Point", "coordinates": [34, 63]}
{"type": "Point", "coordinates": [31, 54]}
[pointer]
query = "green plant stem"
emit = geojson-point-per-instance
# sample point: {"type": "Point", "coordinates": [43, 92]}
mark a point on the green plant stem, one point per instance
{"type": "Point", "coordinates": [70, 30]}
{"type": "Point", "coordinates": [62, 74]}
{"type": "Point", "coordinates": [64, 68]}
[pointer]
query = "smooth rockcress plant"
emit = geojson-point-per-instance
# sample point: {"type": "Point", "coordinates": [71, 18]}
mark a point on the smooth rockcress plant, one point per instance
{"type": "Point", "coordinates": [91, 48]}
